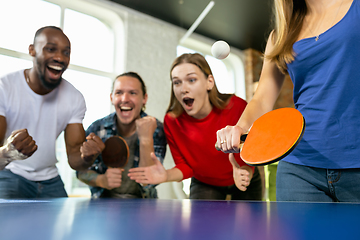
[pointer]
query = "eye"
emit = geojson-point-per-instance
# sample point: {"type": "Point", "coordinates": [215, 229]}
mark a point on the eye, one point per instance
{"type": "Point", "coordinates": [176, 82]}
{"type": "Point", "coordinates": [66, 53]}
{"type": "Point", "coordinates": [50, 49]}
{"type": "Point", "coordinates": [192, 80]}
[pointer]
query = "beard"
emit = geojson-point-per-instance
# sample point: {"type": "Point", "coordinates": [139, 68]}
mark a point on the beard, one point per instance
{"type": "Point", "coordinates": [49, 85]}
{"type": "Point", "coordinates": [46, 84]}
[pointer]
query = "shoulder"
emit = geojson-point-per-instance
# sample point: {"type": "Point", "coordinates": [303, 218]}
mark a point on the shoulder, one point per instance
{"type": "Point", "coordinates": [236, 102]}
{"type": "Point", "coordinates": [169, 116]}
{"type": "Point", "coordinates": [270, 42]}
{"type": "Point", "coordinates": [9, 78]}
{"type": "Point", "coordinates": [105, 121]}
{"type": "Point", "coordinates": [67, 88]}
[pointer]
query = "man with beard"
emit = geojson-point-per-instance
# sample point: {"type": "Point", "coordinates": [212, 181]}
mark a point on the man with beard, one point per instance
{"type": "Point", "coordinates": [143, 134]}
{"type": "Point", "coordinates": [36, 105]}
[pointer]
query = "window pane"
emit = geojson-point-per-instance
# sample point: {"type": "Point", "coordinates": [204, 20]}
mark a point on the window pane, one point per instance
{"type": "Point", "coordinates": [92, 42]}
{"type": "Point", "coordinates": [96, 91]}
{"type": "Point", "coordinates": [224, 82]}
{"type": "Point", "coordinates": [19, 20]}
{"type": "Point", "coordinates": [12, 64]}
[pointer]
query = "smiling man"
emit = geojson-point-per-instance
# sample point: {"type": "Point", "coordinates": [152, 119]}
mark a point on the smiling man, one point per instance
{"type": "Point", "coordinates": [144, 134]}
{"type": "Point", "coordinates": [36, 105]}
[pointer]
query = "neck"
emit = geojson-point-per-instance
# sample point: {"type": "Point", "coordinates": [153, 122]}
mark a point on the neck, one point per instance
{"type": "Point", "coordinates": [126, 130]}
{"type": "Point", "coordinates": [319, 7]}
{"type": "Point", "coordinates": [32, 79]}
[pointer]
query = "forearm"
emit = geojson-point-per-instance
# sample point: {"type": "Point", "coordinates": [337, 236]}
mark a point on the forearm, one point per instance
{"type": "Point", "coordinates": [74, 140]}
{"type": "Point", "coordinates": [146, 147]}
{"type": "Point", "coordinates": [89, 177]}
{"type": "Point", "coordinates": [8, 153]}
{"type": "Point", "coordinates": [253, 111]}
{"type": "Point", "coordinates": [78, 163]}
{"type": "Point", "coordinates": [174, 175]}
{"type": "Point", "coordinates": [4, 160]}
{"type": "Point", "coordinates": [266, 94]}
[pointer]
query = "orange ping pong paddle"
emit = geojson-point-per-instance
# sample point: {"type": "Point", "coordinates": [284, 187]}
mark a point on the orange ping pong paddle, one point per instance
{"type": "Point", "coordinates": [116, 152]}
{"type": "Point", "coordinates": [272, 136]}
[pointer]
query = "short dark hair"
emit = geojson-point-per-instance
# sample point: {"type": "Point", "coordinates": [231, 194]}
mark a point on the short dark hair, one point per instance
{"type": "Point", "coordinates": [134, 75]}
{"type": "Point", "coordinates": [39, 31]}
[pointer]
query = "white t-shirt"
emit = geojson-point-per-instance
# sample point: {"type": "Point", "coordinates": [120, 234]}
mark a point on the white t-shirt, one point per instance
{"type": "Point", "coordinates": [44, 116]}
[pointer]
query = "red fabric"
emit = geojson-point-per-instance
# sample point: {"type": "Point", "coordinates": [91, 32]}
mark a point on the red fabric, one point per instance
{"type": "Point", "coordinates": [192, 144]}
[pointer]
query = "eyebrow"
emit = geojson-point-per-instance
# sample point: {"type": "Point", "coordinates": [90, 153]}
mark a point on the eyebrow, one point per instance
{"type": "Point", "coordinates": [54, 44]}
{"type": "Point", "coordinates": [186, 75]}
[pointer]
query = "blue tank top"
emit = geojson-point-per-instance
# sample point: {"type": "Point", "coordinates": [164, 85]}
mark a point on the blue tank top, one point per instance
{"type": "Point", "coordinates": [326, 78]}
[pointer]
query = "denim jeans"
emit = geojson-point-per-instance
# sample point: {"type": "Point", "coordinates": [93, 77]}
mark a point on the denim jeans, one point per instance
{"type": "Point", "coordinates": [14, 186]}
{"type": "Point", "coordinates": [301, 183]}
{"type": "Point", "coordinates": [200, 190]}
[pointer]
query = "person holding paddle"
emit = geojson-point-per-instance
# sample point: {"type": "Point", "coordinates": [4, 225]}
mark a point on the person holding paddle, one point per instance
{"type": "Point", "coordinates": [315, 42]}
{"type": "Point", "coordinates": [195, 112]}
{"type": "Point", "coordinates": [143, 134]}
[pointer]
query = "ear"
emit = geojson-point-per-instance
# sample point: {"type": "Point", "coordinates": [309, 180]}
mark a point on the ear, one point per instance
{"type": "Point", "coordinates": [32, 50]}
{"type": "Point", "coordinates": [111, 98]}
{"type": "Point", "coordinates": [145, 99]}
{"type": "Point", "coordinates": [210, 82]}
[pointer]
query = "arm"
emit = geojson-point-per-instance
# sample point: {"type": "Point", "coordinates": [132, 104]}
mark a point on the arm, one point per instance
{"type": "Point", "coordinates": [81, 154]}
{"type": "Point", "coordinates": [155, 174]}
{"type": "Point", "coordinates": [242, 175]}
{"type": "Point", "coordinates": [111, 179]}
{"type": "Point", "coordinates": [3, 127]}
{"type": "Point", "coordinates": [145, 128]}
{"type": "Point", "coordinates": [268, 90]}
{"type": "Point", "coordinates": [18, 146]}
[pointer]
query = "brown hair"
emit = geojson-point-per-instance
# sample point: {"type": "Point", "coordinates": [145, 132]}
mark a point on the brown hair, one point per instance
{"type": "Point", "coordinates": [217, 99]}
{"type": "Point", "coordinates": [133, 75]}
{"type": "Point", "coordinates": [289, 18]}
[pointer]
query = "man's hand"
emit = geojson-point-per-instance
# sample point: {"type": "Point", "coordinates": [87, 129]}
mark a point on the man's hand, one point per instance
{"type": "Point", "coordinates": [145, 128]}
{"type": "Point", "coordinates": [242, 175]}
{"type": "Point", "coordinates": [18, 146]}
{"type": "Point", "coordinates": [22, 142]}
{"type": "Point", "coordinates": [111, 179]}
{"type": "Point", "coordinates": [91, 148]}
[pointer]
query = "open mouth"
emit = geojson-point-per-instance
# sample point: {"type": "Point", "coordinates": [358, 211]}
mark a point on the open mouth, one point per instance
{"type": "Point", "coordinates": [55, 70]}
{"type": "Point", "coordinates": [125, 108]}
{"type": "Point", "coordinates": [188, 101]}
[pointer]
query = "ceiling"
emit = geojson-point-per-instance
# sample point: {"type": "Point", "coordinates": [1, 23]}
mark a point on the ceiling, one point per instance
{"type": "Point", "coordinates": [242, 23]}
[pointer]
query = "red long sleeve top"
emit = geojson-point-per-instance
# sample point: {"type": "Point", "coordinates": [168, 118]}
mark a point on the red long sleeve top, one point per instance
{"type": "Point", "coordinates": [192, 144]}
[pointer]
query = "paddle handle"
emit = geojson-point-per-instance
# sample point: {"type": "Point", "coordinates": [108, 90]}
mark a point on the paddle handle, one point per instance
{"type": "Point", "coordinates": [242, 139]}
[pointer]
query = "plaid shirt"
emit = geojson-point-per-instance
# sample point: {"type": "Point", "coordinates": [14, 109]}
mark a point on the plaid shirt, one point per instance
{"type": "Point", "coordinates": [105, 128]}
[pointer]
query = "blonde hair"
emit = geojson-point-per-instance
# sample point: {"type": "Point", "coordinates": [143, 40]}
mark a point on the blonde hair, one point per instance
{"type": "Point", "coordinates": [216, 98]}
{"type": "Point", "coordinates": [289, 17]}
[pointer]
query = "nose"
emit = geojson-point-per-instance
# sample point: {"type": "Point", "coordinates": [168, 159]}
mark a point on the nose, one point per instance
{"type": "Point", "coordinates": [59, 56]}
{"type": "Point", "coordinates": [184, 88]}
{"type": "Point", "coordinates": [125, 97]}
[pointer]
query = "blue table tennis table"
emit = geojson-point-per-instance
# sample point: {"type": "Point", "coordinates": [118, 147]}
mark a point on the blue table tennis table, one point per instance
{"type": "Point", "coordinates": [133, 219]}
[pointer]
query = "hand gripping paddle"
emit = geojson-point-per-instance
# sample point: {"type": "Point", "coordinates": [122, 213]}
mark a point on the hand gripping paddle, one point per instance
{"type": "Point", "coordinates": [272, 136]}
{"type": "Point", "coordinates": [116, 152]}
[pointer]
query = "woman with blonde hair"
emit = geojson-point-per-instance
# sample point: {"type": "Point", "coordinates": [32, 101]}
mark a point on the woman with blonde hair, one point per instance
{"type": "Point", "coordinates": [317, 44]}
{"type": "Point", "coordinates": [196, 111]}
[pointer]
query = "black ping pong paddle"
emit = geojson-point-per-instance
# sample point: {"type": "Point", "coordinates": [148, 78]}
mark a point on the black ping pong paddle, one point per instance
{"type": "Point", "coordinates": [116, 152]}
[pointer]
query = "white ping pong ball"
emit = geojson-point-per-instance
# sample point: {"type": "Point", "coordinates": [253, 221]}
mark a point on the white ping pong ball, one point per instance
{"type": "Point", "coordinates": [220, 49]}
